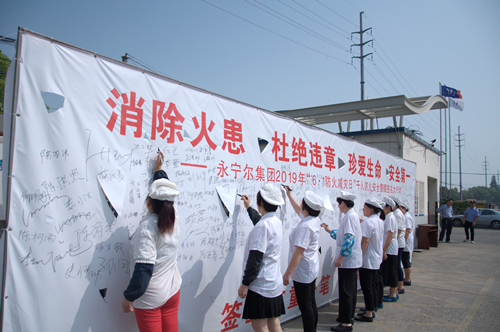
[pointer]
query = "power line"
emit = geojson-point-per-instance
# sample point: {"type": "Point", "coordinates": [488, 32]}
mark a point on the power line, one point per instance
{"type": "Point", "coordinates": [275, 33]}
{"type": "Point", "coordinates": [346, 34]}
{"type": "Point", "coordinates": [388, 45]}
{"type": "Point", "coordinates": [336, 12]}
{"type": "Point", "coordinates": [297, 25]}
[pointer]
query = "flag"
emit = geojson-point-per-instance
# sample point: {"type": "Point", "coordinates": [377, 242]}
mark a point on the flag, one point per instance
{"type": "Point", "coordinates": [457, 104]}
{"type": "Point", "coordinates": [446, 91]}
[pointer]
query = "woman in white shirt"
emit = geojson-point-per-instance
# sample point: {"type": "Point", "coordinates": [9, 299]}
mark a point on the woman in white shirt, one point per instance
{"type": "Point", "coordinates": [371, 245]}
{"type": "Point", "coordinates": [153, 291]}
{"type": "Point", "coordinates": [349, 258]}
{"type": "Point", "coordinates": [303, 258]}
{"type": "Point", "coordinates": [401, 220]}
{"type": "Point", "coordinates": [389, 265]}
{"type": "Point", "coordinates": [262, 283]}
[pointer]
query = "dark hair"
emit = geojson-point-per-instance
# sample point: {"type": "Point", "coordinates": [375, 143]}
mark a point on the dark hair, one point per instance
{"type": "Point", "coordinates": [349, 204]}
{"type": "Point", "coordinates": [390, 207]}
{"type": "Point", "coordinates": [268, 207]}
{"type": "Point", "coordinates": [450, 199]}
{"type": "Point", "coordinates": [311, 212]}
{"type": "Point", "coordinates": [377, 210]}
{"type": "Point", "coordinates": [166, 215]}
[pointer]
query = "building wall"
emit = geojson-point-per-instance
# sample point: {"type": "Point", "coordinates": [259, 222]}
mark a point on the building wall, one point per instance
{"type": "Point", "coordinates": [401, 144]}
{"type": "Point", "coordinates": [427, 178]}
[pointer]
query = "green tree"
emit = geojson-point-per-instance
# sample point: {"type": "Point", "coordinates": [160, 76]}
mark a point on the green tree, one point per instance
{"type": "Point", "coordinates": [493, 183]}
{"type": "Point", "coordinates": [4, 65]}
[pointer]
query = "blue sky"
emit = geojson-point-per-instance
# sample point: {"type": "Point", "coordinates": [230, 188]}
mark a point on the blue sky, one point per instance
{"type": "Point", "coordinates": [286, 54]}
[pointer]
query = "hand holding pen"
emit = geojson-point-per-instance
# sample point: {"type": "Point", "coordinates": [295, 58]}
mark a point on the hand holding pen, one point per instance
{"type": "Point", "coordinates": [159, 160]}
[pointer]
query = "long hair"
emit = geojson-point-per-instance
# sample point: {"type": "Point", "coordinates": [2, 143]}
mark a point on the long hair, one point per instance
{"type": "Point", "coordinates": [377, 210]}
{"type": "Point", "coordinates": [166, 215]}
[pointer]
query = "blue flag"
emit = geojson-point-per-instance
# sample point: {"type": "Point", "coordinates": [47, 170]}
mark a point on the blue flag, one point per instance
{"type": "Point", "coordinates": [446, 91]}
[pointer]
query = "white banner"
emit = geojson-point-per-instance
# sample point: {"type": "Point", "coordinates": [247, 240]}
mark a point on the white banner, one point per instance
{"type": "Point", "coordinates": [86, 136]}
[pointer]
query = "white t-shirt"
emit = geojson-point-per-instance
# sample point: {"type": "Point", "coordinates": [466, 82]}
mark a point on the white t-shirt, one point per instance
{"type": "Point", "coordinates": [350, 225]}
{"type": "Point", "coordinates": [150, 247]}
{"type": "Point", "coordinates": [306, 235]}
{"type": "Point", "coordinates": [409, 224]}
{"type": "Point", "coordinates": [390, 224]}
{"type": "Point", "coordinates": [266, 237]}
{"type": "Point", "coordinates": [373, 229]}
{"type": "Point", "coordinates": [400, 218]}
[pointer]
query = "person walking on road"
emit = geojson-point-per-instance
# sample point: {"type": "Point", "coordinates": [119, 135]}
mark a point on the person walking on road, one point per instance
{"type": "Point", "coordinates": [446, 223]}
{"type": "Point", "coordinates": [470, 218]}
{"type": "Point", "coordinates": [349, 259]}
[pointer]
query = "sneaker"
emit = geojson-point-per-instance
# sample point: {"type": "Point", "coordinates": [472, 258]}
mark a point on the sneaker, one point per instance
{"type": "Point", "coordinates": [466, 240]}
{"type": "Point", "coordinates": [440, 241]}
{"type": "Point", "coordinates": [472, 242]}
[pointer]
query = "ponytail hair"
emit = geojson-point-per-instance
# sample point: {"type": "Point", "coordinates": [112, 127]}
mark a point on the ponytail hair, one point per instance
{"type": "Point", "coordinates": [377, 210]}
{"type": "Point", "coordinates": [166, 215]}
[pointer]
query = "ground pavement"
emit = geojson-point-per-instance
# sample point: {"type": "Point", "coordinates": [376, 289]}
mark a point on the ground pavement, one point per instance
{"type": "Point", "coordinates": [455, 287]}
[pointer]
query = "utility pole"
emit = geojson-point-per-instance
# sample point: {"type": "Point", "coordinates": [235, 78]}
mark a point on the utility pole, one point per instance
{"type": "Point", "coordinates": [460, 160]}
{"type": "Point", "coordinates": [362, 57]}
{"type": "Point", "coordinates": [485, 172]}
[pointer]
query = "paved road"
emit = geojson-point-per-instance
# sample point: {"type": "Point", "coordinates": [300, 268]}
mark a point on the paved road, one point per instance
{"type": "Point", "coordinates": [455, 287]}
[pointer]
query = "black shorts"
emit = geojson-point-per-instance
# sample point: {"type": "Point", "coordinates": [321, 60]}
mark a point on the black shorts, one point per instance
{"type": "Point", "coordinates": [260, 307]}
{"type": "Point", "coordinates": [406, 259]}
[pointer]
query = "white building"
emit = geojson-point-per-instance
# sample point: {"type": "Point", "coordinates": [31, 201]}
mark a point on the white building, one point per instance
{"type": "Point", "coordinates": [396, 140]}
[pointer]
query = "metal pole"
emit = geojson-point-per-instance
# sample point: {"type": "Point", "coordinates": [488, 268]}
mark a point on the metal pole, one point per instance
{"type": "Point", "coordinates": [485, 173]}
{"type": "Point", "coordinates": [362, 64]}
{"type": "Point", "coordinates": [440, 155]}
{"type": "Point", "coordinates": [446, 151]}
{"type": "Point", "coordinates": [460, 161]}
{"type": "Point", "coordinates": [9, 169]}
{"type": "Point", "coordinates": [449, 126]}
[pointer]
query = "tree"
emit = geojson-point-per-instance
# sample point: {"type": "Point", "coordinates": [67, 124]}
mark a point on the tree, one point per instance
{"type": "Point", "coordinates": [493, 183]}
{"type": "Point", "coordinates": [4, 65]}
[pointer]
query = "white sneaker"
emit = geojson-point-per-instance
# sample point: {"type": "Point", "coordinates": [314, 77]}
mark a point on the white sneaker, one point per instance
{"type": "Point", "coordinates": [472, 242]}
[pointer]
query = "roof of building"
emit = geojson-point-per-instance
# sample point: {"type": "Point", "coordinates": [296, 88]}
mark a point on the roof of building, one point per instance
{"type": "Point", "coordinates": [367, 109]}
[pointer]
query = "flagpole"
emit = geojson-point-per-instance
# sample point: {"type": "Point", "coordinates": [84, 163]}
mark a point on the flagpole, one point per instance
{"type": "Point", "coordinates": [446, 153]}
{"type": "Point", "coordinates": [440, 156]}
{"type": "Point", "coordinates": [449, 133]}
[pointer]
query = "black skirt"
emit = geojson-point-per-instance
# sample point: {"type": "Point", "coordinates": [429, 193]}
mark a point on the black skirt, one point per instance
{"type": "Point", "coordinates": [260, 307]}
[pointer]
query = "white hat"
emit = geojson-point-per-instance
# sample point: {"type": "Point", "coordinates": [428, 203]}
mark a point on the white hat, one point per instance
{"type": "Point", "coordinates": [395, 199]}
{"type": "Point", "coordinates": [347, 196]}
{"type": "Point", "coordinates": [387, 200]}
{"type": "Point", "coordinates": [271, 194]}
{"type": "Point", "coordinates": [163, 190]}
{"type": "Point", "coordinates": [375, 202]}
{"type": "Point", "coordinates": [404, 203]}
{"type": "Point", "coordinates": [313, 201]}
